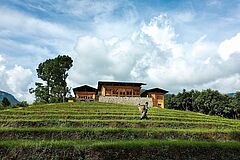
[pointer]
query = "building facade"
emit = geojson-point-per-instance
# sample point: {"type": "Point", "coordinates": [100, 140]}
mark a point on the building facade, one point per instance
{"type": "Point", "coordinates": [119, 89]}
{"type": "Point", "coordinates": [120, 92]}
{"type": "Point", "coordinates": [157, 96]}
{"type": "Point", "coordinates": [85, 93]}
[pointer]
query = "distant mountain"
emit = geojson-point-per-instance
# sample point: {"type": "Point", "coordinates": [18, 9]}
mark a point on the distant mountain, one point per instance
{"type": "Point", "coordinates": [10, 97]}
{"type": "Point", "coordinates": [231, 94]}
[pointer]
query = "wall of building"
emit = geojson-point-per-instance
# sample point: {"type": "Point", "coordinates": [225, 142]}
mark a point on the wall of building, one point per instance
{"type": "Point", "coordinates": [120, 91]}
{"type": "Point", "coordinates": [126, 100]}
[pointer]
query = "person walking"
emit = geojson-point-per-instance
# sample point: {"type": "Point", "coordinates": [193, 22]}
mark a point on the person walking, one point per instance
{"type": "Point", "coordinates": [145, 110]}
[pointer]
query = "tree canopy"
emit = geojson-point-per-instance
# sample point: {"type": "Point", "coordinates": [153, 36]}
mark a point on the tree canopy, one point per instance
{"type": "Point", "coordinates": [54, 74]}
{"type": "Point", "coordinates": [208, 101]}
{"type": "Point", "coordinates": [5, 102]}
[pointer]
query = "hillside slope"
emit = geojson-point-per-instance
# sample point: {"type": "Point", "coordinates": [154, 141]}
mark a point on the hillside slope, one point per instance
{"type": "Point", "coordinates": [91, 130]}
{"type": "Point", "coordinates": [10, 97]}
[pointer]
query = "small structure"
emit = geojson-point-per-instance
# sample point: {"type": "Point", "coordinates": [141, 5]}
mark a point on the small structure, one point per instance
{"type": "Point", "coordinates": [157, 96]}
{"type": "Point", "coordinates": [85, 93]}
{"type": "Point", "coordinates": [119, 89]}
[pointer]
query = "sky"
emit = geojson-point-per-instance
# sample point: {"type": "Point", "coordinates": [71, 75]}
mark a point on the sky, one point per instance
{"type": "Point", "coordinates": [169, 44]}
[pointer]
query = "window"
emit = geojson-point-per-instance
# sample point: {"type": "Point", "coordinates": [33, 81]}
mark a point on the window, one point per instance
{"type": "Point", "coordinates": [160, 97]}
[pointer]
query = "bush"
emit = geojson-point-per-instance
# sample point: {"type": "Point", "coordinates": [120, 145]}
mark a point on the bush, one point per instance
{"type": "Point", "coordinates": [39, 103]}
{"type": "Point", "coordinates": [20, 104]}
{"type": "Point", "coordinates": [23, 104]}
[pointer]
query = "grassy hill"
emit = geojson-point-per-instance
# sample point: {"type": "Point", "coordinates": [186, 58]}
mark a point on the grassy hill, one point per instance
{"type": "Point", "coordinates": [91, 130]}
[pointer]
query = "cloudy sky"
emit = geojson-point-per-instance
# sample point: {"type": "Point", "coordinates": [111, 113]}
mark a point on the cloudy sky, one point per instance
{"type": "Point", "coordinates": [192, 44]}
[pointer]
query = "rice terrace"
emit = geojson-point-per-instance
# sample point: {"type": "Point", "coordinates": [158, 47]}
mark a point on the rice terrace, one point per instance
{"type": "Point", "coordinates": [119, 80]}
{"type": "Point", "coordinates": [94, 130]}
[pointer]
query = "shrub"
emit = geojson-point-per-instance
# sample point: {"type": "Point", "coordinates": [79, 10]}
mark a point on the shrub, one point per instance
{"type": "Point", "coordinates": [20, 104]}
{"type": "Point", "coordinates": [23, 104]}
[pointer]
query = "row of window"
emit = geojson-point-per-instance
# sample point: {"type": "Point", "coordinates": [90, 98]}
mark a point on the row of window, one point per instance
{"type": "Point", "coordinates": [85, 97]}
{"type": "Point", "coordinates": [121, 92]}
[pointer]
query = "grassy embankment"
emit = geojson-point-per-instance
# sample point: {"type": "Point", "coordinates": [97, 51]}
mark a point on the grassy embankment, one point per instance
{"type": "Point", "coordinates": [108, 131]}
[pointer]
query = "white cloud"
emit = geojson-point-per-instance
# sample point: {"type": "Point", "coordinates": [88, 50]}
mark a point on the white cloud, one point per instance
{"type": "Point", "coordinates": [214, 3]}
{"type": "Point", "coordinates": [2, 73]}
{"type": "Point", "coordinates": [20, 24]}
{"type": "Point", "coordinates": [25, 41]}
{"type": "Point", "coordinates": [229, 47]}
{"type": "Point", "coordinates": [225, 84]}
{"type": "Point", "coordinates": [87, 8]}
{"type": "Point", "coordinates": [23, 48]}
{"type": "Point", "coordinates": [2, 67]}
{"type": "Point", "coordinates": [25, 34]}
{"type": "Point", "coordinates": [16, 80]}
{"type": "Point", "coordinates": [160, 32]}
{"type": "Point", "coordinates": [183, 17]}
{"type": "Point", "coordinates": [153, 55]}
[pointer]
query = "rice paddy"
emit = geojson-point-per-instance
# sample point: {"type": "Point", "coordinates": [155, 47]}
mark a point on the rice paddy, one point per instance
{"type": "Point", "coordinates": [92, 130]}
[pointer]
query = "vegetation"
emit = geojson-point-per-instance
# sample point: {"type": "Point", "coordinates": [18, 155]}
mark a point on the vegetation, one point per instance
{"type": "Point", "coordinates": [208, 101]}
{"type": "Point", "coordinates": [16, 105]}
{"type": "Point", "coordinates": [93, 130]}
{"type": "Point", "coordinates": [20, 104]}
{"type": "Point", "coordinates": [54, 74]}
{"type": "Point", "coordinates": [5, 102]}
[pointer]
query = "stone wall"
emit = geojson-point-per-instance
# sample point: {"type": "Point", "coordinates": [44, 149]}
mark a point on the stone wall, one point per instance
{"type": "Point", "coordinates": [126, 100]}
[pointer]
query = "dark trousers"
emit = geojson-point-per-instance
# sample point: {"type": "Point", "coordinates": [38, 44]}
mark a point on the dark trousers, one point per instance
{"type": "Point", "coordinates": [144, 114]}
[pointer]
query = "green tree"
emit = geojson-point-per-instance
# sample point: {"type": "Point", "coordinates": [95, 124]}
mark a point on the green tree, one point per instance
{"type": "Point", "coordinates": [168, 99]}
{"type": "Point", "coordinates": [54, 74]}
{"type": "Point", "coordinates": [5, 102]}
{"type": "Point", "coordinates": [236, 105]}
{"type": "Point", "coordinates": [183, 101]}
{"type": "Point", "coordinates": [208, 102]}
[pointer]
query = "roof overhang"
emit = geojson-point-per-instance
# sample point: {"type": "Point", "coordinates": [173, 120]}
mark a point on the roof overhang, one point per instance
{"type": "Point", "coordinates": [154, 90]}
{"type": "Point", "coordinates": [84, 88]}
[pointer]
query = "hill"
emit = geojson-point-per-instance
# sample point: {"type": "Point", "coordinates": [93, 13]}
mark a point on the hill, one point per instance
{"type": "Point", "coordinates": [10, 97]}
{"type": "Point", "coordinates": [91, 130]}
{"type": "Point", "coordinates": [231, 94]}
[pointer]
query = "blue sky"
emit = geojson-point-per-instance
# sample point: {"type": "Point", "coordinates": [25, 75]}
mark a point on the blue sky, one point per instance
{"type": "Point", "coordinates": [170, 44]}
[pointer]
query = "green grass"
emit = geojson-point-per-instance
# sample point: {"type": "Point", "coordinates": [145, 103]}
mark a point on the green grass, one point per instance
{"type": "Point", "coordinates": [116, 143]}
{"type": "Point", "coordinates": [92, 130]}
{"type": "Point", "coordinates": [119, 149]}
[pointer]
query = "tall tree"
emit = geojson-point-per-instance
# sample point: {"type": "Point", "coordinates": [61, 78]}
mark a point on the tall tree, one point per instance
{"type": "Point", "coordinates": [54, 74]}
{"type": "Point", "coordinates": [5, 102]}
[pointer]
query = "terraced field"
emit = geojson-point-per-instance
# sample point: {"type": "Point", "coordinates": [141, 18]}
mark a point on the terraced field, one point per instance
{"type": "Point", "coordinates": [91, 130]}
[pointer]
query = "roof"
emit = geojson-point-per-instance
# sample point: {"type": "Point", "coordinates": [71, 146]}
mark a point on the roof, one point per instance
{"type": "Point", "coordinates": [85, 88]}
{"type": "Point", "coordinates": [156, 90]}
{"type": "Point", "coordinates": [114, 83]}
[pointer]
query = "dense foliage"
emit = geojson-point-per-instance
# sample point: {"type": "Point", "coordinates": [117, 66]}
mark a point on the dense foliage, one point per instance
{"type": "Point", "coordinates": [208, 101]}
{"type": "Point", "coordinates": [5, 102]}
{"type": "Point", "coordinates": [54, 74]}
